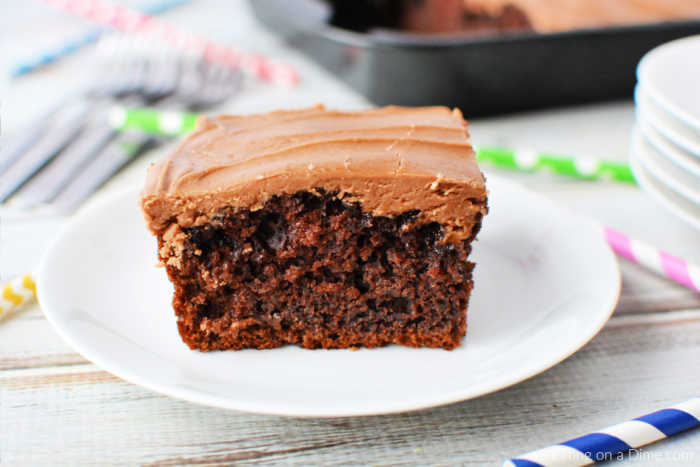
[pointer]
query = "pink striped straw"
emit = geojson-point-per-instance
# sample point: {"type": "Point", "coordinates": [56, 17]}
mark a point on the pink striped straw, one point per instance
{"type": "Point", "coordinates": [668, 265]}
{"type": "Point", "coordinates": [132, 21]}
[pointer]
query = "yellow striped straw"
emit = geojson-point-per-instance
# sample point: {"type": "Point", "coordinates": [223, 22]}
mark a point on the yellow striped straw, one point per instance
{"type": "Point", "coordinates": [16, 293]}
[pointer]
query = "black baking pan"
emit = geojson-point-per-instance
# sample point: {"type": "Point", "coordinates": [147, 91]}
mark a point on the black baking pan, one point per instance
{"type": "Point", "coordinates": [482, 75]}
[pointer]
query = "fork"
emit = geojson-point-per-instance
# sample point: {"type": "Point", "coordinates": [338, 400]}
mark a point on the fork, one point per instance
{"type": "Point", "coordinates": [147, 73]}
{"type": "Point", "coordinates": [157, 71]}
{"type": "Point", "coordinates": [201, 84]}
{"type": "Point", "coordinates": [152, 75]}
{"type": "Point", "coordinates": [43, 140]}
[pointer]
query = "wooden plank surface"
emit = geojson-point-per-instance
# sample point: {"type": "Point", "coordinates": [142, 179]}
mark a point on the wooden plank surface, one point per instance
{"type": "Point", "coordinates": [53, 399]}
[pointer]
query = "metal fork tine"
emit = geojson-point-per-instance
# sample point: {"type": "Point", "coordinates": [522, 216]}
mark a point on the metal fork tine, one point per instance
{"type": "Point", "coordinates": [191, 76]}
{"type": "Point", "coordinates": [162, 74]}
{"type": "Point", "coordinates": [220, 82]}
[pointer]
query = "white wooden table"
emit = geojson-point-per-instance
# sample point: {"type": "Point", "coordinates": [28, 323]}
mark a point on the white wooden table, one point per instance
{"type": "Point", "coordinates": [58, 408]}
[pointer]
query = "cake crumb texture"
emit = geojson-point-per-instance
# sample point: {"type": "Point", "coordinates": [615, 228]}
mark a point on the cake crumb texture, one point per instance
{"type": "Point", "coordinates": [312, 270]}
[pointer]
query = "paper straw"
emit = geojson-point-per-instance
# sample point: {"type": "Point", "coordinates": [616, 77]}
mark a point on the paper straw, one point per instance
{"type": "Point", "coordinates": [70, 46]}
{"type": "Point", "coordinates": [157, 122]}
{"type": "Point", "coordinates": [16, 293]}
{"type": "Point", "coordinates": [584, 168]}
{"type": "Point", "coordinates": [610, 443]}
{"type": "Point", "coordinates": [132, 21]}
{"type": "Point", "coordinates": [670, 266]}
{"type": "Point", "coordinates": [28, 65]}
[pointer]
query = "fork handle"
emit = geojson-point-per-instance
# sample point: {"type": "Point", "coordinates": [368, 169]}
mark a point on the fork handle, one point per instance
{"type": "Point", "coordinates": [118, 153]}
{"type": "Point", "coordinates": [27, 137]}
{"type": "Point", "coordinates": [48, 183]}
{"type": "Point", "coordinates": [19, 145]}
{"type": "Point", "coordinates": [62, 127]}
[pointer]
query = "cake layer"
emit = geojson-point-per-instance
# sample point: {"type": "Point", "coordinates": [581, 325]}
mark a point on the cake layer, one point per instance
{"type": "Point", "coordinates": [391, 160]}
{"type": "Point", "coordinates": [313, 270]}
{"type": "Point", "coordinates": [319, 228]}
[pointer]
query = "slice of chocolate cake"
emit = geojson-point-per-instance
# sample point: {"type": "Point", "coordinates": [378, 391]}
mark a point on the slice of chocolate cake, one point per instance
{"type": "Point", "coordinates": [319, 228]}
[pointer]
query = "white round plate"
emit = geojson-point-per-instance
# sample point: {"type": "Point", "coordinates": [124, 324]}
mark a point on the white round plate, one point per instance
{"type": "Point", "coordinates": [545, 284]}
{"type": "Point", "coordinates": [663, 122]}
{"type": "Point", "coordinates": [670, 74]}
{"type": "Point", "coordinates": [682, 158]}
{"type": "Point", "coordinates": [673, 201]}
{"type": "Point", "coordinates": [673, 176]}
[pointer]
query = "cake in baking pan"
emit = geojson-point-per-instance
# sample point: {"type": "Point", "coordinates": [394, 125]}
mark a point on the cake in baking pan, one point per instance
{"type": "Point", "coordinates": [320, 228]}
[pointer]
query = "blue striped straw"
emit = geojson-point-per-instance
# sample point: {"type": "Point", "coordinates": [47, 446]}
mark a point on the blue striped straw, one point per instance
{"type": "Point", "coordinates": [70, 46]}
{"type": "Point", "coordinates": [606, 444]}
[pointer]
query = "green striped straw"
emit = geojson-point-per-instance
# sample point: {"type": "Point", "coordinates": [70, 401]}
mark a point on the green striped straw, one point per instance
{"type": "Point", "coordinates": [584, 168]}
{"type": "Point", "coordinates": [167, 123]}
{"type": "Point", "coordinates": [156, 122]}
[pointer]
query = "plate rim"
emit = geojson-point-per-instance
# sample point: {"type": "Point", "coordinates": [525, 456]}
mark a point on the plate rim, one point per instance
{"type": "Point", "coordinates": [201, 398]}
{"type": "Point", "coordinates": [668, 148]}
{"type": "Point", "coordinates": [643, 73]}
{"type": "Point", "coordinates": [644, 104]}
{"type": "Point", "coordinates": [647, 151]}
{"type": "Point", "coordinates": [647, 182]}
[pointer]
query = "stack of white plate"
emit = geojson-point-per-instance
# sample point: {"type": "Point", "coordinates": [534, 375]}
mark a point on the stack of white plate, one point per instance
{"type": "Point", "coordinates": [665, 147]}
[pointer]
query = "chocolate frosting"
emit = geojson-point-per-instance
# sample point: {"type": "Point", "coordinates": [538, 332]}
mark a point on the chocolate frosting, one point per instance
{"type": "Point", "coordinates": [391, 160]}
